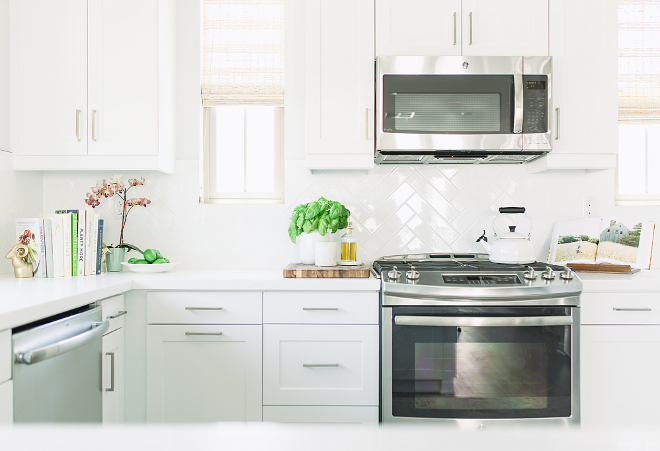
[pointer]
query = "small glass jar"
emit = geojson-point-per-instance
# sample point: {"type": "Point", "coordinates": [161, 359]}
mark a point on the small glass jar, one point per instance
{"type": "Point", "coordinates": [348, 246]}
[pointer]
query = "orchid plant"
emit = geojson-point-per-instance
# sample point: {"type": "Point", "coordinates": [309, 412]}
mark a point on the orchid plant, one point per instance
{"type": "Point", "coordinates": [115, 187]}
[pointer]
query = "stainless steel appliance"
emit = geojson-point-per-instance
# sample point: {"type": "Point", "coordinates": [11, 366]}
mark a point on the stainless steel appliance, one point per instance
{"type": "Point", "coordinates": [57, 368]}
{"type": "Point", "coordinates": [469, 342]}
{"type": "Point", "coordinates": [462, 109]}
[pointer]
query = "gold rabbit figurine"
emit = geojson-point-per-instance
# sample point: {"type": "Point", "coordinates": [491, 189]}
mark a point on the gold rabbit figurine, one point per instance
{"type": "Point", "coordinates": [18, 253]}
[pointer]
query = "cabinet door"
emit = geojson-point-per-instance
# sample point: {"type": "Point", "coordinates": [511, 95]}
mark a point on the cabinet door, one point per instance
{"type": "Point", "coordinates": [418, 27]}
{"type": "Point", "coordinates": [203, 373]}
{"type": "Point", "coordinates": [505, 27]}
{"type": "Point", "coordinates": [619, 376]}
{"type": "Point", "coordinates": [339, 84]}
{"type": "Point", "coordinates": [6, 402]}
{"type": "Point", "coordinates": [50, 82]}
{"type": "Point", "coordinates": [583, 46]}
{"type": "Point", "coordinates": [113, 377]}
{"type": "Point", "coordinates": [123, 77]}
{"type": "Point", "coordinates": [322, 414]}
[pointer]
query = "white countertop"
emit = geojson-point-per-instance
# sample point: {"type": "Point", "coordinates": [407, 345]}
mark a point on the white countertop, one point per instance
{"type": "Point", "coordinates": [26, 300]}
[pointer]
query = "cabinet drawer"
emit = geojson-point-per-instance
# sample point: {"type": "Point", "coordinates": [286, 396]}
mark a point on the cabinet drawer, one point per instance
{"type": "Point", "coordinates": [203, 307]}
{"type": "Point", "coordinates": [620, 308]}
{"type": "Point", "coordinates": [321, 414]}
{"type": "Point", "coordinates": [321, 307]}
{"type": "Point", "coordinates": [320, 365]}
{"type": "Point", "coordinates": [5, 355]}
{"type": "Point", "coordinates": [114, 311]}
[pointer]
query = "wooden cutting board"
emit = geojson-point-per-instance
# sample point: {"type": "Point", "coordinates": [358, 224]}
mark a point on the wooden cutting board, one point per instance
{"type": "Point", "coordinates": [603, 268]}
{"type": "Point", "coordinates": [299, 270]}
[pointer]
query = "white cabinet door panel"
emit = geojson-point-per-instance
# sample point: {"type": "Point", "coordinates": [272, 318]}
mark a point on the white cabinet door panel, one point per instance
{"type": "Point", "coordinates": [619, 377]}
{"type": "Point", "coordinates": [113, 377]}
{"type": "Point", "coordinates": [418, 27]}
{"type": "Point", "coordinates": [620, 308]}
{"type": "Point", "coordinates": [5, 355]}
{"type": "Point", "coordinates": [123, 77]}
{"type": "Point", "coordinates": [6, 403]}
{"type": "Point", "coordinates": [204, 307]}
{"type": "Point", "coordinates": [318, 307]}
{"type": "Point", "coordinates": [204, 377]}
{"type": "Point", "coordinates": [322, 414]}
{"type": "Point", "coordinates": [505, 27]}
{"type": "Point", "coordinates": [50, 85]}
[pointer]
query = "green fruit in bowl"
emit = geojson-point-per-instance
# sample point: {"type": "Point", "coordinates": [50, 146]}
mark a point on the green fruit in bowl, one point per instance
{"type": "Point", "coordinates": [161, 260]}
{"type": "Point", "coordinates": [132, 261]}
{"type": "Point", "coordinates": [150, 255]}
{"type": "Point", "coordinates": [141, 262]}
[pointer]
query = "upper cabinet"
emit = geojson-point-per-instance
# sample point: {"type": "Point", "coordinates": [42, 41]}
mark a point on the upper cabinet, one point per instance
{"type": "Point", "coordinates": [467, 27]}
{"type": "Point", "coordinates": [92, 84]}
{"type": "Point", "coordinates": [339, 84]}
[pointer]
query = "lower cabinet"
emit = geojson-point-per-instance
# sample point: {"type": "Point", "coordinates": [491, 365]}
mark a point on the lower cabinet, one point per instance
{"type": "Point", "coordinates": [6, 403]}
{"type": "Point", "coordinates": [113, 377]}
{"type": "Point", "coordinates": [204, 373]}
{"type": "Point", "coordinates": [321, 414]}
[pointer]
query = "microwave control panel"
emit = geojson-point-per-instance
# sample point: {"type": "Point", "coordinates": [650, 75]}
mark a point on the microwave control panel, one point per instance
{"type": "Point", "coordinates": [535, 103]}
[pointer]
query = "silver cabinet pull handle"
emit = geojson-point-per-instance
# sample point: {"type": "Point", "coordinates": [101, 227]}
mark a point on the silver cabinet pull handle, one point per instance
{"type": "Point", "coordinates": [120, 313]}
{"type": "Point", "coordinates": [78, 124]}
{"type": "Point", "coordinates": [93, 125]}
{"type": "Point", "coordinates": [470, 28]}
{"type": "Point", "coordinates": [203, 308]}
{"type": "Point", "coordinates": [463, 321]}
{"type": "Point", "coordinates": [557, 133]}
{"type": "Point", "coordinates": [518, 99]}
{"type": "Point", "coordinates": [320, 365]}
{"type": "Point", "coordinates": [203, 333]}
{"type": "Point", "coordinates": [632, 309]}
{"type": "Point", "coordinates": [320, 308]}
{"type": "Point", "coordinates": [112, 373]}
{"type": "Point", "coordinates": [454, 28]}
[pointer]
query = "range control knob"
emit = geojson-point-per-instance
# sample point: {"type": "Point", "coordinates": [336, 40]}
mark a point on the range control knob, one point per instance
{"type": "Point", "coordinates": [548, 274]}
{"type": "Point", "coordinates": [394, 274]}
{"type": "Point", "coordinates": [412, 274]}
{"type": "Point", "coordinates": [530, 274]}
{"type": "Point", "coordinates": [567, 274]}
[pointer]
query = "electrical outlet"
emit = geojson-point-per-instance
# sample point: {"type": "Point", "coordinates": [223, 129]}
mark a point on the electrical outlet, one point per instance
{"type": "Point", "coordinates": [119, 207]}
{"type": "Point", "coordinates": [589, 205]}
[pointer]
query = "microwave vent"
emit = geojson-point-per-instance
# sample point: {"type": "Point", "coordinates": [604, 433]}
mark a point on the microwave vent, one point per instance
{"type": "Point", "coordinates": [403, 158]}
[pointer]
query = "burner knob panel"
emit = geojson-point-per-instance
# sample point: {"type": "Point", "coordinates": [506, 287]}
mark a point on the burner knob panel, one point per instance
{"type": "Point", "coordinates": [567, 274]}
{"type": "Point", "coordinates": [530, 274]}
{"type": "Point", "coordinates": [394, 274]}
{"type": "Point", "coordinates": [548, 274]}
{"type": "Point", "coordinates": [412, 274]}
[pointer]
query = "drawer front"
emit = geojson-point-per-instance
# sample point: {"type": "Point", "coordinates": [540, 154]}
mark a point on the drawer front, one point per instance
{"type": "Point", "coordinates": [203, 307]}
{"type": "Point", "coordinates": [5, 355]}
{"type": "Point", "coordinates": [323, 307]}
{"type": "Point", "coordinates": [114, 311]}
{"type": "Point", "coordinates": [321, 414]}
{"type": "Point", "coordinates": [320, 365]}
{"type": "Point", "coordinates": [620, 308]}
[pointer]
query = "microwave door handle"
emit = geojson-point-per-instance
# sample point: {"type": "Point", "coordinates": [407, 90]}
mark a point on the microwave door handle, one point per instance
{"type": "Point", "coordinates": [499, 321]}
{"type": "Point", "coordinates": [518, 99]}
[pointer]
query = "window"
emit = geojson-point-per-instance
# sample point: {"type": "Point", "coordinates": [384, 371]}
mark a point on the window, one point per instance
{"type": "Point", "coordinates": [243, 99]}
{"type": "Point", "coordinates": [639, 102]}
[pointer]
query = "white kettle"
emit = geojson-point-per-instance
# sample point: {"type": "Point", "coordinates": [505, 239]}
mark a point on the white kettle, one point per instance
{"type": "Point", "coordinates": [509, 247]}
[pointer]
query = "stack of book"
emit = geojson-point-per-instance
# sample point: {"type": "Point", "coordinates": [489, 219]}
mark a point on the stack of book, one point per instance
{"type": "Point", "coordinates": [65, 244]}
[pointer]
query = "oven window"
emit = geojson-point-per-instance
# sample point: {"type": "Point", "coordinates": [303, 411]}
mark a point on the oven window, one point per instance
{"type": "Point", "coordinates": [481, 372]}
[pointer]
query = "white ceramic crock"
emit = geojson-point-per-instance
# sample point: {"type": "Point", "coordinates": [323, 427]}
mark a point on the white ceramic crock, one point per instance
{"type": "Point", "coordinates": [307, 242]}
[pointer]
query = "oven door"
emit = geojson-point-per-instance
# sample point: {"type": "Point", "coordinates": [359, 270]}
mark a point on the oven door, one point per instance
{"type": "Point", "coordinates": [478, 363]}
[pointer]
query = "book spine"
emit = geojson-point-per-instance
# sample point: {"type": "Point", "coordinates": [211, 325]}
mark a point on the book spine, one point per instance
{"type": "Point", "coordinates": [66, 234]}
{"type": "Point", "coordinates": [95, 243]}
{"type": "Point", "coordinates": [89, 241]}
{"type": "Point", "coordinates": [81, 242]}
{"type": "Point", "coordinates": [74, 244]}
{"type": "Point", "coordinates": [41, 246]}
{"type": "Point", "coordinates": [48, 244]}
{"type": "Point", "coordinates": [99, 247]}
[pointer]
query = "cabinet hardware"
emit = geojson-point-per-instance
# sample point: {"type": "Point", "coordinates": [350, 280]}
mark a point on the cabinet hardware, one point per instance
{"type": "Point", "coordinates": [320, 308]}
{"type": "Point", "coordinates": [454, 28]}
{"type": "Point", "coordinates": [557, 132]}
{"type": "Point", "coordinates": [78, 124]}
{"type": "Point", "coordinates": [320, 365]}
{"type": "Point", "coordinates": [203, 333]}
{"type": "Point", "coordinates": [631, 309]}
{"type": "Point", "coordinates": [112, 371]}
{"type": "Point", "coordinates": [203, 308]}
{"type": "Point", "coordinates": [120, 313]}
{"type": "Point", "coordinates": [93, 125]}
{"type": "Point", "coordinates": [470, 28]}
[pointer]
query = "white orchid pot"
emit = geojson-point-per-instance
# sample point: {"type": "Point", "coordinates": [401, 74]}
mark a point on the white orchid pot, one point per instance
{"type": "Point", "coordinates": [307, 242]}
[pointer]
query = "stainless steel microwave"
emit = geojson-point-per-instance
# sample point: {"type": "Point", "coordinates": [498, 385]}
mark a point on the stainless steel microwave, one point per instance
{"type": "Point", "coordinates": [462, 109]}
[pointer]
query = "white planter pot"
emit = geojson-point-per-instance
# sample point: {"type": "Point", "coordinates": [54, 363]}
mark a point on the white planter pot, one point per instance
{"type": "Point", "coordinates": [307, 241]}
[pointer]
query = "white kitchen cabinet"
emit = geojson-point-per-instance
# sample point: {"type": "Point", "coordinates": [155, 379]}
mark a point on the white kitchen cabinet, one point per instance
{"type": "Point", "coordinates": [5, 355]}
{"type": "Point", "coordinates": [113, 377]}
{"type": "Point", "coordinates": [322, 414]}
{"type": "Point", "coordinates": [6, 403]}
{"type": "Point", "coordinates": [92, 84]}
{"type": "Point", "coordinates": [467, 27]}
{"type": "Point", "coordinates": [204, 373]}
{"type": "Point", "coordinates": [583, 46]}
{"type": "Point", "coordinates": [339, 84]}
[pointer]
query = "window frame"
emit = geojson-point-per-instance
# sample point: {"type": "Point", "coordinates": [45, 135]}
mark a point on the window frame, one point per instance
{"type": "Point", "coordinates": [211, 195]}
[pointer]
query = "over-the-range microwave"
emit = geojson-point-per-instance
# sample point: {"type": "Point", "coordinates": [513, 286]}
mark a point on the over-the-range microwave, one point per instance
{"type": "Point", "coordinates": [462, 109]}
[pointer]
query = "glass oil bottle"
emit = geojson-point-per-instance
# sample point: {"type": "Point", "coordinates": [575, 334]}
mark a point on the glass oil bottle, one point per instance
{"type": "Point", "coordinates": [348, 246]}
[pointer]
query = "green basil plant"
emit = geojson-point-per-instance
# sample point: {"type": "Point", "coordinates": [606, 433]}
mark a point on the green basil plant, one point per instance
{"type": "Point", "coordinates": [321, 215]}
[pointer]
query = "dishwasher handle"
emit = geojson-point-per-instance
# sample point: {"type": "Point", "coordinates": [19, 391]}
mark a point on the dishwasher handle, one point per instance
{"type": "Point", "coordinates": [62, 347]}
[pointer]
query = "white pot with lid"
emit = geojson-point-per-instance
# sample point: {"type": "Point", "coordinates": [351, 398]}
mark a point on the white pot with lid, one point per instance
{"type": "Point", "coordinates": [509, 247]}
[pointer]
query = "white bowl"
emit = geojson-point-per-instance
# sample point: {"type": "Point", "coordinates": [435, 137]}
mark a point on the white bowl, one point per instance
{"type": "Point", "coordinates": [150, 268]}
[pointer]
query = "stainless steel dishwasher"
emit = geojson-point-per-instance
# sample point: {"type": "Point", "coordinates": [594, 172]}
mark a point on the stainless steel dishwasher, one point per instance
{"type": "Point", "coordinates": [57, 368]}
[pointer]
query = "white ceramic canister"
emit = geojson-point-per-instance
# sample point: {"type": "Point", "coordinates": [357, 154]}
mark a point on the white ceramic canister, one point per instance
{"type": "Point", "coordinates": [307, 242]}
{"type": "Point", "coordinates": [325, 254]}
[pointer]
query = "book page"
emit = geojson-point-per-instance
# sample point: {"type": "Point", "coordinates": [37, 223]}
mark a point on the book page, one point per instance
{"type": "Point", "coordinates": [626, 243]}
{"type": "Point", "coordinates": [575, 241]}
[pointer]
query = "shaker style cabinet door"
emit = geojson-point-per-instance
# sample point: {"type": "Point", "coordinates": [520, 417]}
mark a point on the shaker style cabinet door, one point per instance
{"type": "Point", "coordinates": [113, 377]}
{"type": "Point", "coordinates": [6, 403]}
{"type": "Point", "coordinates": [203, 373]}
{"type": "Point", "coordinates": [418, 27]}
{"type": "Point", "coordinates": [123, 77]}
{"type": "Point", "coordinates": [48, 77]}
{"type": "Point", "coordinates": [505, 27]}
{"type": "Point", "coordinates": [339, 84]}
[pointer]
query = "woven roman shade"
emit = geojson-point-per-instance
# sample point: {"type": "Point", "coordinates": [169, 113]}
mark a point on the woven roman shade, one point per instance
{"type": "Point", "coordinates": [243, 61]}
{"type": "Point", "coordinates": [639, 62]}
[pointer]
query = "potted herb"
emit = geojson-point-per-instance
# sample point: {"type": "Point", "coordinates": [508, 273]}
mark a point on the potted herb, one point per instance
{"type": "Point", "coordinates": [313, 222]}
{"type": "Point", "coordinates": [110, 188]}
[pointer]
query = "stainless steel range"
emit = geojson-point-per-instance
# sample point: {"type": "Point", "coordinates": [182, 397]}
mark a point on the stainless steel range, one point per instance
{"type": "Point", "coordinates": [474, 343]}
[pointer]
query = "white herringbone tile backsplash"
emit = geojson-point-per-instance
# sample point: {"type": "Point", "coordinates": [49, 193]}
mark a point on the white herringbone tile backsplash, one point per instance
{"type": "Point", "coordinates": [396, 209]}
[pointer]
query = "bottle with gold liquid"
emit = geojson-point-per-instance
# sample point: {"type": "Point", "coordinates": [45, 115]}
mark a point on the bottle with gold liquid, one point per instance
{"type": "Point", "coordinates": [348, 246]}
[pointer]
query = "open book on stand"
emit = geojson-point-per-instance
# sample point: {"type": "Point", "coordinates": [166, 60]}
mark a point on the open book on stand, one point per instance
{"type": "Point", "coordinates": [602, 242]}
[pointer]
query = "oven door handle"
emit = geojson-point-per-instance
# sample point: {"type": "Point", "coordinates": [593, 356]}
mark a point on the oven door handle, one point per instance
{"type": "Point", "coordinates": [477, 321]}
